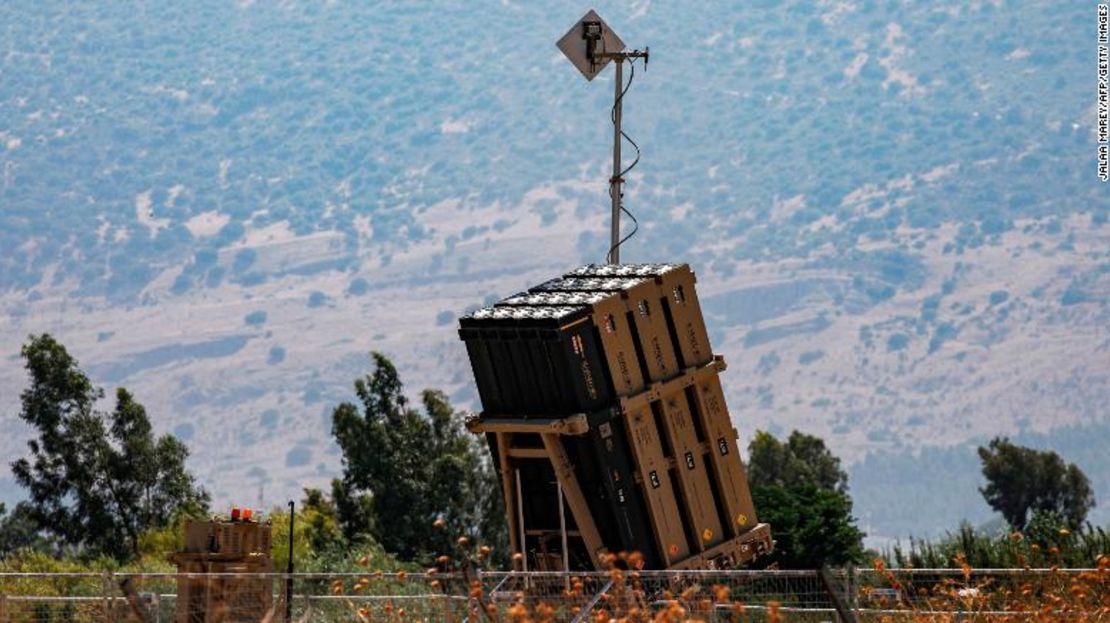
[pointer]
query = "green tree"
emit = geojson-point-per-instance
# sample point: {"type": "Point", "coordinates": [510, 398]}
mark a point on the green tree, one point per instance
{"type": "Point", "coordinates": [803, 459]}
{"type": "Point", "coordinates": [96, 481]}
{"type": "Point", "coordinates": [18, 531]}
{"type": "Point", "coordinates": [1021, 481]}
{"type": "Point", "coordinates": [317, 535]}
{"type": "Point", "coordinates": [812, 526]}
{"type": "Point", "coordinates": [407, 469]}
{"type": "Point", "coordinates": [318, 511]}
{"type": "Point", "coordinates": [354, 510]}
{"type": "Point", "coordinates": [800, 489]}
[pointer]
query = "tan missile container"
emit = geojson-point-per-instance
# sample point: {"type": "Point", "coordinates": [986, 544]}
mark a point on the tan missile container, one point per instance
{"type": "Point", "coordinates": [207, 589]}
{"type": "Point", "coordinates": [605, 415]}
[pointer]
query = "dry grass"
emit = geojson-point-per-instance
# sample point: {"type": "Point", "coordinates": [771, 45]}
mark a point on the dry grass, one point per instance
{"type": "Point", "coordinates": [890, 596]}
{"type": "Point", "coordinates": [1057, 595]}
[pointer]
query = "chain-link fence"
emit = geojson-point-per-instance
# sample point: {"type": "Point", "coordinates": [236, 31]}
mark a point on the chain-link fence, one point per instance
{"type": "Point", "coordinates": [863, 595]}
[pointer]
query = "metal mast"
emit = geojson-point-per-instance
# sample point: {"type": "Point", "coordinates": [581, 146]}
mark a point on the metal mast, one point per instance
{"type": "Point", "coordinates": [590, 44]}
{"type": "Point", "coordinates": [616, 193]}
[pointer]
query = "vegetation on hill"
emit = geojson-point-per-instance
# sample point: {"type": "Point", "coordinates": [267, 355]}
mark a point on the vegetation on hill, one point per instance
{"type": "Point", "coordinates": [172, 154]}
{"type": "Point", "coordinates": [313, 116]}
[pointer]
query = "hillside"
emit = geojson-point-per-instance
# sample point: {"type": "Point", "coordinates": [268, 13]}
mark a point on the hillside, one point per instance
{"type": "Point", "coordinates": [892, 209]}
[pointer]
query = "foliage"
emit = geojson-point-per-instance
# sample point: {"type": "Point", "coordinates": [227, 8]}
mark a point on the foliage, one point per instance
{"type": "Point", "coordinates": [96, 481]}
{"type": "Point", "coordinates": [802, 460]}
{"type": "Point", "coordinates": [18, 530]}
{"type": "Point", "coordinates": [154, 546]}
{"type": "Point", "coordinates": [319, 544]}
{"type": "Point", "coordinates": [316, 531]}
{"type": "Point", "coordinates": [812, 526]}
{"type": "Point", "coordinates": [1047, 543]}
{"type": "Point", "coordinates": [427, 479]}
{"type": "Point", "coordinates": [322, 521]}
{"type": "Point", "coordinates": [196, 120]}
{"type": "Point", "coordinates": [800, 489]}
{"type": "Point", "coordinates": [981, 595]}
{"type": "Point", "coordinates": [355, 510]}
{"type": "Point", "coordinates": [1021, 480]}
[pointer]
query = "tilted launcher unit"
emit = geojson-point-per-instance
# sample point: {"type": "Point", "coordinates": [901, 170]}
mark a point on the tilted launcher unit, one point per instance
{"type": "Point", "coordinates": [607, 423]}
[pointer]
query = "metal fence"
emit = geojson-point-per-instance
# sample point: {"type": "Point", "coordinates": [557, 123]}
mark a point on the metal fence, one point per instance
{"type": "Point", "coordinates": [864, 595]}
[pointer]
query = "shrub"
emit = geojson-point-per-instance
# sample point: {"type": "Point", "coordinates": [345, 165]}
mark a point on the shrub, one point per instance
{"type": "Point", "coordinates": [255, 319]}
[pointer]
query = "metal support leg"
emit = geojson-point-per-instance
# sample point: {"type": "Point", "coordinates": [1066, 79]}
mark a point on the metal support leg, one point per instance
{"type": "Point", "coordinates": [511, 501]}
{"type": "Point", "coordinates": [563, 534]}
{"type": "Point", "coordinates": [572, 492]}
{"type": "Point", "coordinates": [520, 523]}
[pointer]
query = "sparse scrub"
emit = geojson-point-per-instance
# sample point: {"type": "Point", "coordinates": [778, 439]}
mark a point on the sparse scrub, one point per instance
{"type": "Point", "coordinates": [1047, 543]}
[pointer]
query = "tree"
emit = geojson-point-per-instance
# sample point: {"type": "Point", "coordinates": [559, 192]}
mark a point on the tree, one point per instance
{"type": "Point", "coordinates": [354, 510]}
{"type": "Point", "coordinates": [803, 459]}
{"type": "Point", "coordinates": [96, 481]}
{"type": "Point", "coordinates": [801, 491]}
{"type": "Point", "coordinates": [1022, 480]}
{"type": "Point", "coordinates": [812, 526]}
{"type": "Point", "coordinates": [18, 530]}
{"type": "Point", "coordinates": [406, 470]}
{"type": "Point", "coordinates": [317, 537]}
{"type": "Point", "coordinates": [322, 523]}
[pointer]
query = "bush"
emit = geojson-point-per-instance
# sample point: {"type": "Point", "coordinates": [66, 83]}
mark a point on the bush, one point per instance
{"type": "Point", "coordinates": [255, 319]}
{"type": "Point", "coordinates": [298, 456]}
{"type": "Point", "coordinates": [1045, 543]}
{"type": "Point", "coordinates": [277, 355]}
{"type": "Point", "coordinates": [358, 287]}
{"type": "Point", "coordinates": [268, 419]}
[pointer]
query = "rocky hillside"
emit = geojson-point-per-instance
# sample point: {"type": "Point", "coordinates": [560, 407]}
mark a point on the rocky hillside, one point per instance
{"type": "Point", "coordinates": [892, 209]}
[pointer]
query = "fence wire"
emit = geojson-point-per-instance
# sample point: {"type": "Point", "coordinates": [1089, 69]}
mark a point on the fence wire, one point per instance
{"type": "Point", "coordinates": [868, 595]}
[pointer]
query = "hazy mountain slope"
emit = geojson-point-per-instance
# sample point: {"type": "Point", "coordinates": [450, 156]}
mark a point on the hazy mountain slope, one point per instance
{"type": "Point", "coordinates": [892, 208]}
{"type": "Point", "coordinates": [928, 507]}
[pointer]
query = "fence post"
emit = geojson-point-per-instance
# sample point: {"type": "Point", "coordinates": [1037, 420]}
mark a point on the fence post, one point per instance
{"type": "Point", "coordinates": [127, 587]}
{"type": "Point", "coordinates": [854, 596]}
{"type": "Point", "coordinates": [845, 615]}
{"type": "Point", "coordinates": [4, 609]}
{"type": "Point", "coordinates": [106, 588]}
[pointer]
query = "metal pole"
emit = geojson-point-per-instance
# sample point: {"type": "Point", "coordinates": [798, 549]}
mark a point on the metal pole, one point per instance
{"type": "Point", "coordinates": [520, 520]}
{"type": "Point", "coordinates": [289, 566]}
{"type": "Point", "coordinates": [137, 606]}
{"type": "Point", "coordinates": [615, 181]}
{"type": "Point", "coordinates": [107, 591]}
{"type": "Point", "coordinates": [563, 532]}
{"type": "Point", "coordinates": [839, 604]}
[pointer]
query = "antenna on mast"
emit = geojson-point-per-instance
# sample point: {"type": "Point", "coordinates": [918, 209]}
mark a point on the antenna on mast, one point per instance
{"type": "Point", "coordinates": [590, 44]}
